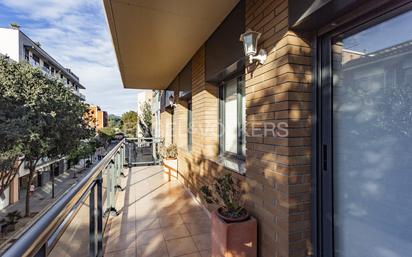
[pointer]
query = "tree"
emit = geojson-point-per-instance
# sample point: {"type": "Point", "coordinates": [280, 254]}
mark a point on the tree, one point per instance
{"type": "Point", "coordinates": [106, 134]}
{"type": "Point", "coordinates": [129, 120]}
{"type": "Point", "coordinates": [83, 151]}
{"type": "Point", "coordinates": [12, 128]}
{"type": "Point", "coordinates": [53, 116]}
{"type": "Point", "coordinates": [145, 119]}
{"type": "Point", "coordinates": [115, 122]}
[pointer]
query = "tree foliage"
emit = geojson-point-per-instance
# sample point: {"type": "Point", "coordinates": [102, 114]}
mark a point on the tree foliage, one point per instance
{"type": "Point", "coordinates": [115, 122]}
{"type": "Point", "coordinates": [129, 120]}
{"type": "Point", "coordinates": [145, 119]}
{"type": "Point", "coordinates": [106, 134]}
{"type": "Point", "coordinates": [42, 118]}
{"type": "Point", "coordinates": [83, 151]}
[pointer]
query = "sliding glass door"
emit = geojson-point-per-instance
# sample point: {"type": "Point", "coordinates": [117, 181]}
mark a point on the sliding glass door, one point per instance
{"type": "Point", "coordinates": [367, 141]}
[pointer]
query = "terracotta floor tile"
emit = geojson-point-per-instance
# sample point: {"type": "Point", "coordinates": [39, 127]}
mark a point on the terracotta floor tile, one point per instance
{"type": "Point", "coordinates": [149, 236]}
{"type": "Point", "coordinates": [147, 224]}
{"type": "Point", "coordinates": [130, 252]}
{"type": "Point", "coordinates": [121, 242]}
{"type": "Point", "coordinates": [170, 220]}
{"type": "Point", "coordinates": [169, 210]}
{"type": "Point", "coordinates": [202, 241]}
{"type": "Point", "coordinates": [205, 253]}
{"type": "Point", "coordinates": [191, 255]}
{"type": "Point", "coordinates": [198, 228]}
{"type": "Point", "coordinates": [181, 246]}
{"type": "Point", "coordinates": [153, 249]}
{"type": "Point", "coordinates": [195, 217]}
{"type": "Point", "coordinates": [175, 232]}
{"type": "Point", "coordinates": [153, 209]}
{"type": "Point", "coordinates": [190, 207]}
{"type": "Point", "coordinates": [117, 230]}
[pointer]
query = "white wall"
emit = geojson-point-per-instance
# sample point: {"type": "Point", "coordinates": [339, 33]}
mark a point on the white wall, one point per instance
{"type": "Point", "coordinates": [9, 43]}
{"type": "Point", "coordinates": [4, 199]}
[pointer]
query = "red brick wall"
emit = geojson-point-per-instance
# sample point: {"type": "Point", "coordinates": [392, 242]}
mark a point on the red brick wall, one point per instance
{"type": "Point", "coordinates": [277, 179]}
{"type": "Point", "coordinates": [278, 169]}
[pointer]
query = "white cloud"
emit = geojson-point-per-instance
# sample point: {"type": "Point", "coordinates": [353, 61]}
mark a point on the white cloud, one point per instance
{"type": "Point", "coordinates": [75, 33]}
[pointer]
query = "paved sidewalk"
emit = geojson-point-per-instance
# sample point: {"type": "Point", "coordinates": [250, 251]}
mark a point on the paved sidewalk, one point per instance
{"type": "Point", "coordinates": [41, 200]}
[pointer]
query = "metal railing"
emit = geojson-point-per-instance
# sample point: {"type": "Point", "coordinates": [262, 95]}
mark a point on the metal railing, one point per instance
{"type": "Point", "coordinates": [78, 216]}
{"type": "Point", "coordinates": [143, 151]}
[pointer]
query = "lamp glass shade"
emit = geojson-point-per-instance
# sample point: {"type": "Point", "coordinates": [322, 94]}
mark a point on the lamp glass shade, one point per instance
{"type": "Point", "coordinates": [250, 40]}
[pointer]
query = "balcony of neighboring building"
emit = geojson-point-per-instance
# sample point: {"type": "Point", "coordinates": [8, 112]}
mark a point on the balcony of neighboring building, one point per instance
{"type": "Point", "coordinates": [80, 95]}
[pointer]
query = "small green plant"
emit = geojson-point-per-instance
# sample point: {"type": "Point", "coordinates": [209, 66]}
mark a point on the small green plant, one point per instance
{"type": "Point", "coordinates": [11, 218]}
{"type": "Point", "coordinates": [14, 25]}
{"type": "Point", "coordinates": [169, 151]}
{"type": "Point", "coordinates": [226, 193]}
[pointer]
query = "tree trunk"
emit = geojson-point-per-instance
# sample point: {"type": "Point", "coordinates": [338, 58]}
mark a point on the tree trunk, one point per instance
{"type": "Point", "coordinates": [32, 168]}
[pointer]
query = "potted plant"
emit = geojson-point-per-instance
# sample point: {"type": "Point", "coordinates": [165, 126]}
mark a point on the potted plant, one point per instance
{"type": "Point", "coordinates": [9, 223]}
{"type": "Point", "coordinates": [169, 156]}
{"type": "Point", "coordinates": [234, 231]}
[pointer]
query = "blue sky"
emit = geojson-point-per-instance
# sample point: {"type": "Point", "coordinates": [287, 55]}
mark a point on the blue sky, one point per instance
{"type": "Point", "coordinates": [75, 33]}
{"type": "Point", "coordinates": [386, 34]}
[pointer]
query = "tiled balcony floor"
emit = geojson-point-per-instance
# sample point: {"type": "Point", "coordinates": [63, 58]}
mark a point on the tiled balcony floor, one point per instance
{"type": "Point", "coordinates": [158, 219]}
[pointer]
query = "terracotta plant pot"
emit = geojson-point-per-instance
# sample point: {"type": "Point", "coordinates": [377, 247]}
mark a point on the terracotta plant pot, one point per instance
{"type": "Point", "coordinates": [170, 167]}
{"type": "Point", "coordinates": [234, 239]}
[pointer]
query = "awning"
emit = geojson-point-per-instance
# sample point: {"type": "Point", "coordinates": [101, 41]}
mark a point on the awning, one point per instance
{"type": "Point", "coordinates": [155, 39]}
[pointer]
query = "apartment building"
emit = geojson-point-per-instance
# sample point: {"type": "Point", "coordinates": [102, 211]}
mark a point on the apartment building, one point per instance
{"type": "Point", "coordinates": [99, 118]}
{"type": "Point", "coordinates": [19, 47]}
{"type": "Point", "coordinates": [311, 111]}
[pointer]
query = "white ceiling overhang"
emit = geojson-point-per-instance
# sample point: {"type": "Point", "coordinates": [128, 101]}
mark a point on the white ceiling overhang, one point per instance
{"type": "Point", "coordinates": [155, 39]}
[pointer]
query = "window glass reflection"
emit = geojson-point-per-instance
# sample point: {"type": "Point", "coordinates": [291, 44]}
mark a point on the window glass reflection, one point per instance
{"type": "Point", "coordinates": [373, 141]}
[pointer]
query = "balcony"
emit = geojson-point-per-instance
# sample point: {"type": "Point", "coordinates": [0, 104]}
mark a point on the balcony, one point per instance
{"type": "Point", "coordinates": [158, 218]}
{"type": "Point", "coordinates": [121, 208]}
{"type": "Point", "coordinates": [80, 95]}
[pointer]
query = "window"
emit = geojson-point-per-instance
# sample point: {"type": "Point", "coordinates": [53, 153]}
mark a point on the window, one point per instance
{"type": "Point", "coordinates": [26, 55]}
{"type": "Point", "coordinates": [232, 118]}
{"type": "Point", "coordinates": [189, 125]}
{"type": "Point", "coordinates": [367, 141]}
{"type": "Point", "coordinates": [36, 59]}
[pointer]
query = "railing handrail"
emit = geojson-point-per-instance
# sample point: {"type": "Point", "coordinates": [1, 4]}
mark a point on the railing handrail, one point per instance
{"type": "Point", "coordinates": [35, 236]}
{"type": "Point", "coordinates": [144, 138]}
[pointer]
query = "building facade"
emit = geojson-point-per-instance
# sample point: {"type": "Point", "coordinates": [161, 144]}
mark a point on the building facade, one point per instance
{"type": "Point", "coordinates": [98, 118]}
{"type": "Point", "coordinates": [319, 133]}
{"type": "Point", "coordinates": [19, 47]}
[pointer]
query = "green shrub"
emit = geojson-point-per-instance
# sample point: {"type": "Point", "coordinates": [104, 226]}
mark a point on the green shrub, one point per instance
{"type": "Point", "coordinates": [227, 194]}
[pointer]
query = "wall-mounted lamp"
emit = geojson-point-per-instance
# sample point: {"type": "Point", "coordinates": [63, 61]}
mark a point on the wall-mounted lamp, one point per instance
{"type": "Point", "coordinates": [172, 101]}
{"type": "Point", "coordinates": [250, 40]}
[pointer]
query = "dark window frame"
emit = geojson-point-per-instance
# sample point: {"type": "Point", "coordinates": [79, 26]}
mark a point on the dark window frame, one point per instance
{"type": "Point", "coordinates": [240, 126]}
{"type": "Point", "coordinates": [323, 212]}
{"type": "Point", "coordinates": [36, 59]}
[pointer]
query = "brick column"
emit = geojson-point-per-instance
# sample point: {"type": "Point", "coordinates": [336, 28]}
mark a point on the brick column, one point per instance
{"type": "Point", "coordinates": [205, 104]}
{"type": "Point", "coordinates": [278, 168]}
